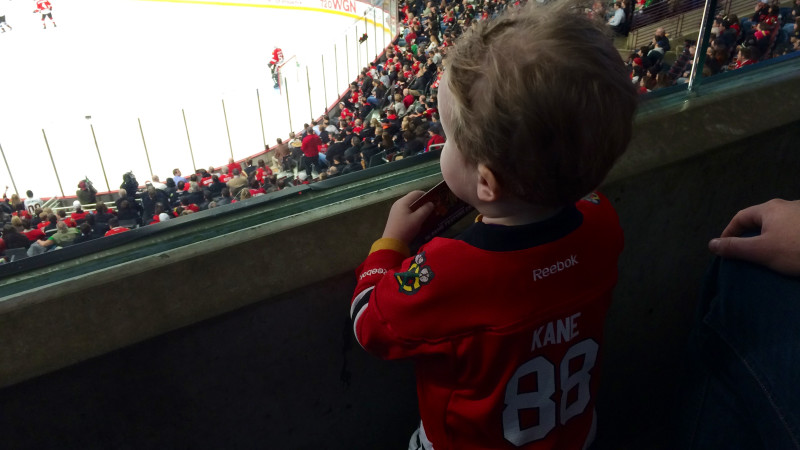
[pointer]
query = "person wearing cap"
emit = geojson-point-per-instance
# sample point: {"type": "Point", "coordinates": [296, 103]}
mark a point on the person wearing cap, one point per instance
{"type": "Point", "coordinates": [79, 215]}
{"type": "Point", "coordinates": [436, 138]}
{"type": "Point", "coordinates": [86, 193]}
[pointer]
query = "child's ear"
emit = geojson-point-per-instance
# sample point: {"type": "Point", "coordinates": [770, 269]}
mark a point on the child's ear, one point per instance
{"type": "Point", "coordinates": [489, 189]}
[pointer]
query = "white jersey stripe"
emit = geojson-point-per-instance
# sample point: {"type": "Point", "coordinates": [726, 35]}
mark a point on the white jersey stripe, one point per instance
{"type": "Point", "coordinates": [357, 304]}
{"type": "Point", "coordinates": [355, 326]}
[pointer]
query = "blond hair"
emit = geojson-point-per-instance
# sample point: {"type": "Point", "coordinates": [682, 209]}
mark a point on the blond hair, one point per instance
{"type": "Point", "coordinates": [541, 96]}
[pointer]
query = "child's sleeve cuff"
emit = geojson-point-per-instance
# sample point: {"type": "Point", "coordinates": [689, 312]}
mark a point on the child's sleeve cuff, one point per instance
{"type": "Point", "coordinates": [390, 244]}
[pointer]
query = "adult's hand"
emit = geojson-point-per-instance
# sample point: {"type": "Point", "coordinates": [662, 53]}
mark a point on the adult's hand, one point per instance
{"type": "Point", "coordinates": [778, 245]}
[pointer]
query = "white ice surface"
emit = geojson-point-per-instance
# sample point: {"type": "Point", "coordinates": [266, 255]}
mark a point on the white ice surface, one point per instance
{"type": "Point", "coordinates": [123, 60]}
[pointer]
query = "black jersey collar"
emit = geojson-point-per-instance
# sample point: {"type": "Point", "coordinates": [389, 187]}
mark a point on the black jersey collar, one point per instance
{"type": "Point", "coordinates": [501, 238]}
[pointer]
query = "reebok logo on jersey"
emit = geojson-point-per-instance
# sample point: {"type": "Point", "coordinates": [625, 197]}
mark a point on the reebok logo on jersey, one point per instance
{"type": "Point", "coordinates": [540, 274]}
{"type": "Point", "coordinates": [372, 272]}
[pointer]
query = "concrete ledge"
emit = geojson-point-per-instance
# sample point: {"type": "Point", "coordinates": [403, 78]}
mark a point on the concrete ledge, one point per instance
{"type": "Point", "coordinates": [63, 322]}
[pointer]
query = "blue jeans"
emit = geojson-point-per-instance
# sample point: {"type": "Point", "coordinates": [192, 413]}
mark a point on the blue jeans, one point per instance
{"type": "Point", "coordinates": [745, 360]}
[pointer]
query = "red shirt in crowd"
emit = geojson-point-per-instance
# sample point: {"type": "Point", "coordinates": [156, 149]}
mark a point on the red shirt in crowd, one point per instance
{"type": "Point", "coordinates": [311, 145]}
{"type": "Point", "coordinates": [76, 216]}
{"type": "Point", "coordinates": [408, 100]}
{"type": "Point", "coordinates": [262, 172]}
{"type": "Point", "coordinates": [435, 139]}
{"type": "Point", "coordinates": [116, 230]}
{"type": "Point", "coordinates": [346, 114]}
{"type": "Point", "coordinates": [234, 165]}
{"type": "Point", "coordinates": [35, 234]}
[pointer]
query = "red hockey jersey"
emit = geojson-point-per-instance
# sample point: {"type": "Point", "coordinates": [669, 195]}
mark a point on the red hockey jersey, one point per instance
{"type": "Point", "coordinates": [43, 6]}
{"type": "Point", "coordinates": [504, 324]}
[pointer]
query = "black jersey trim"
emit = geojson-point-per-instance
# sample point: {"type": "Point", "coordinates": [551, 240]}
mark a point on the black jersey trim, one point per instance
{"type": "Point", "coordinates": [501, 238]}
{"type": "Point", "coordinates": [360, 302]}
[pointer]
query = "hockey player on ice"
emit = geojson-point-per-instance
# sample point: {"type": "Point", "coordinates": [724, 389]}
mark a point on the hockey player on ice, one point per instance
{"type": "Point", "coordinates": [44, 7]}
{"type": "Point", "coordinates": [3, 23]}
{"type": "Point", "coordinates": [277, 58]}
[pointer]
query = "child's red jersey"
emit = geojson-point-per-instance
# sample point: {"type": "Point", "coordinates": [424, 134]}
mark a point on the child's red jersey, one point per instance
{"type": "Point", "coordinates": [505, 326]}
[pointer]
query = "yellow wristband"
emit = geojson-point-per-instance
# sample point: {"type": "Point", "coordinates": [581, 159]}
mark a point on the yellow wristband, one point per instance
{"type": "Point", "coordinates": [390, 244]}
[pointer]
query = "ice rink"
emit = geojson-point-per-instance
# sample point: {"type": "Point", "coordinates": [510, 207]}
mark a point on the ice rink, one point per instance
{"type": "Point", "coordinates": [126, 62]}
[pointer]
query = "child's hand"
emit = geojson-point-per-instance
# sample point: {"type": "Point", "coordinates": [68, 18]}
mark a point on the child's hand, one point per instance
{"type": "Point", "coordinates": [403, 224]}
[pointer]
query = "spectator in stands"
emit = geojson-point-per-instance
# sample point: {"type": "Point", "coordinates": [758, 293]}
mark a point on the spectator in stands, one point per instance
{"type": "Point", "coordinates": [761, 39]}
{"type": "Point", "coordinates": [62, 217]}
{"type": "Point", "coordinates": [726, 34]}
{"type": "Point", "coordinates": [399, 105]}
{"type": "Point", "coordinates": [337, 148]}
{"type": "Point", "coordinates": [79, 216]}
{"type": "Point", "coordinates": [435, 133]}
{"type": "Point", "coordinates": [249, 168]}
{"type": "Point", "coordinates": [216, 186]}
{"type": "Point", "coordinates": [243, 194]}
{"type": "Point", "coordinates": [126, 195]}
{"type": "Point", "coordinates": [225, 199]}
{"type": "Point", "coordinates": [368, 150]}
{"type": "Point", "coordinates": [233, 165]}
{"type": "Point", "coordinates": [171, 192]}
{"type": "Point", "coordinates": [263, 171]}
{"type": "Point", "coordinates": [355, 147]}
{"type": "Point", "coordinates": [51, 222]}
{"type": "Point", "coordinates": [310, 147]}
{"type": "Point", "coordinates": [336, 166]}
{"type": "Point", "coordinates": [413, 145]}
{"type": "Point", "coordinates": [98, 228]}
{"type": "Point", "coordinates": [280, 158]}
{"type": "Point", "coordinates": [86, 233]}
{"type": "Point", "coordinates": [208, 197]}
{"type": "Point", "coordinates": [224, 176]}
{"type": "Point", "coordinates": [176, 176]}
{"type": "Point", "coordinates": [156, 182]}
{"type": "Point", "coordinates": [617, 21]}
{"type": "Point", "coordinates": [31, 202]}
{"type": "Point", "coordinates": [239, 182]}
{"type": "Point", "coordinates": [744, 57]}
{"type": "Point", "coordinates": [12, 238]}
{"type": "Point", "coordinates": [63, 236]}
{"type": "Point", "coordinates": [656, 55]}
{"type": "Point", "coordinates": [24, 226]}
{"type": "Point", "coordinates": [123, 195]}
{"type": "Point", "coordinates": [17, 205]}
{"type": "Point", "coordinates": [130, 184]}
{"type": "Point", "coordinates": [353, 164]}
{"type": "Point", "coordinates": [194, 195]}
{"type": "Point", "coordinates": [101, 214]}
{"type": "Point", "coordinates": [661, 37]}
{"type": "Point", "coordinates": [126, 212]}
{"type": "Point", "coordinates": [86, 193]}
{"type": "Point", "coordinates": [152, 197]}
{"type": "Point", "coordinates": [114, 228]}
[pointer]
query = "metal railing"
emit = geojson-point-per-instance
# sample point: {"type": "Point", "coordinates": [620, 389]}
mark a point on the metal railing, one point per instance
{"type": "Point", "coordinates": [240, 121]}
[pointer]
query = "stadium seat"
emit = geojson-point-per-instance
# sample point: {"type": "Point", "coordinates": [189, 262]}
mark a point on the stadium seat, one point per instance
{"type": "Point", "coordinates": [131, 223]}
{"type": "Point", "coordinates": [15, 254]}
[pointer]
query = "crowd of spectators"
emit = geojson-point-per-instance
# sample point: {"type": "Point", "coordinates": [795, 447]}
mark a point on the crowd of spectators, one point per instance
{"type": "Point", "coordinates": [771, 32]}
{"type": "Point", "coordinates": [389, 113]}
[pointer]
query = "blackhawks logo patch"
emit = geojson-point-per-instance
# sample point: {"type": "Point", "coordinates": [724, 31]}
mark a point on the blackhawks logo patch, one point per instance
{"type": "Point", "coordinates": [592, 198]}
{"type": "Point", "coordinates": [417, 275]}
